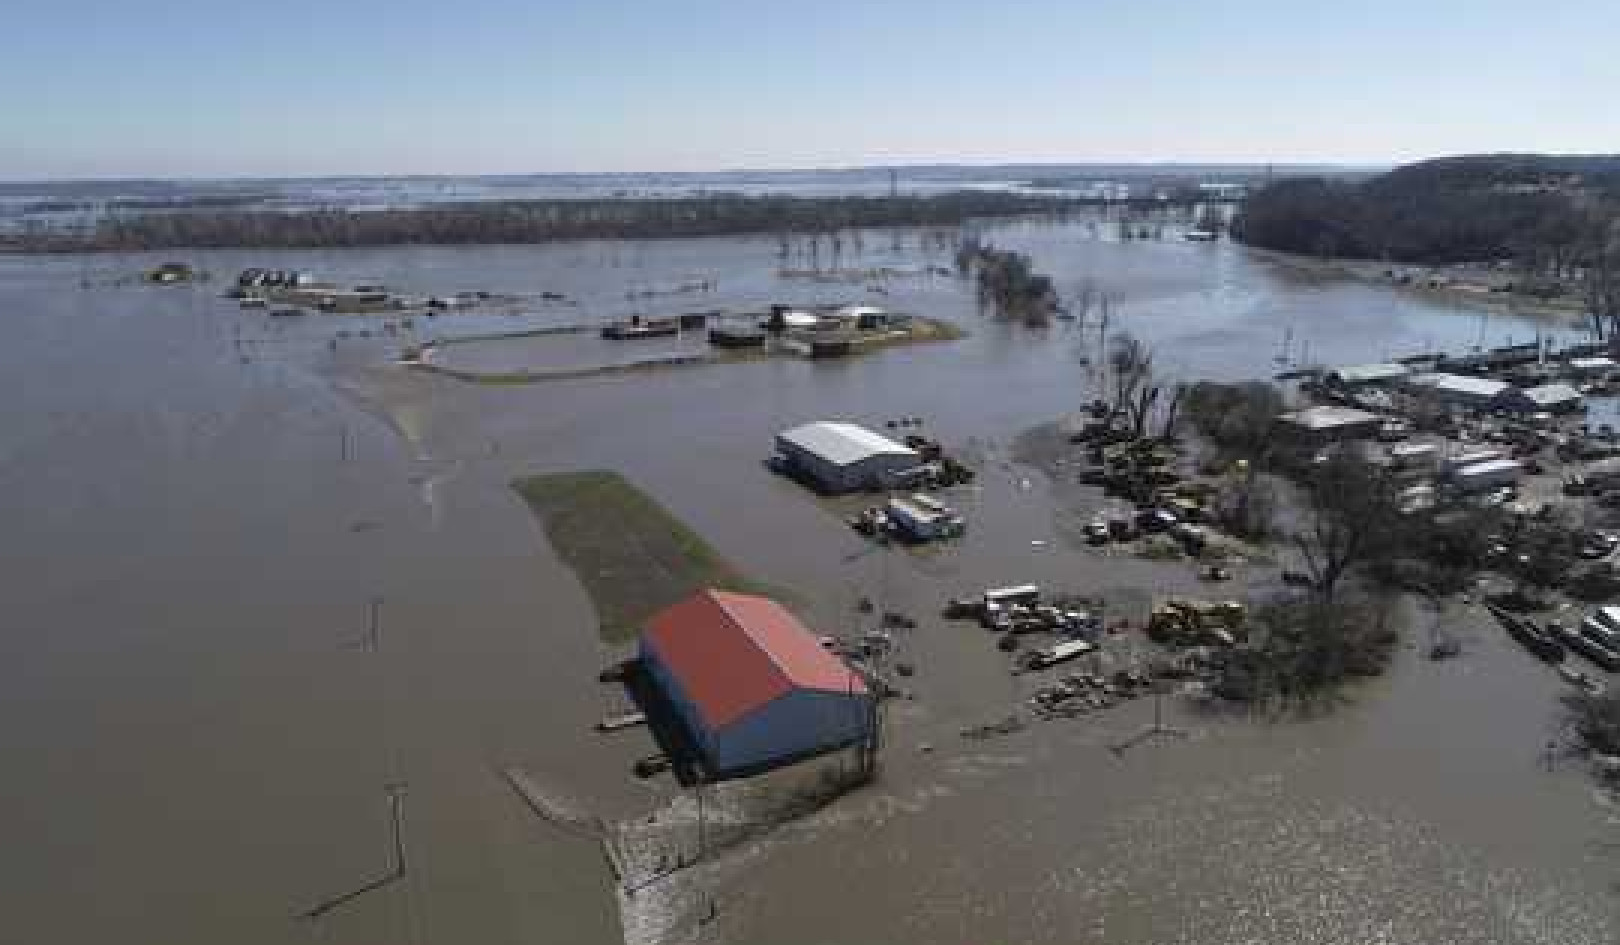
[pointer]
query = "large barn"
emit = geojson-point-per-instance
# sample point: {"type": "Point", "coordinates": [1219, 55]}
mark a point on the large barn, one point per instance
{"type": "Point", "coordinates": [842, 457]}
{"type": "Point", "coordinates": [751, 685]}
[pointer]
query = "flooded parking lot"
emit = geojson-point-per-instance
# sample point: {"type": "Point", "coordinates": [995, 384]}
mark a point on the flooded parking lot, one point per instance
{"type": "Point", "coordinates": [202, 503]}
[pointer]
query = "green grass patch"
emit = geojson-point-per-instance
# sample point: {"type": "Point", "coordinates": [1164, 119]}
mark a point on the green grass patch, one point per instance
{"type": "Point", "coordinates": [633, 557]}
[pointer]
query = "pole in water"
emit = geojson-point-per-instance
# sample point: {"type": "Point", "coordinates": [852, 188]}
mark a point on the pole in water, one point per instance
{"type": "Point", "coordinates": [374, 625]}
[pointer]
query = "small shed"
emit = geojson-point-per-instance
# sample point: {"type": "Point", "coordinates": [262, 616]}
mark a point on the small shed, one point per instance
{"type": "Point", "coordinates": [752, 686]}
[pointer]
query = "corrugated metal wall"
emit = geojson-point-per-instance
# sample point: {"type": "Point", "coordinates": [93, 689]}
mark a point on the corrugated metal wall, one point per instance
{"type": "Point", "coordinates": [801, 723]}
{"type": "Point", "coordinates": [798, 724]}
{"type": "Point", "coordinates": [677, 696]}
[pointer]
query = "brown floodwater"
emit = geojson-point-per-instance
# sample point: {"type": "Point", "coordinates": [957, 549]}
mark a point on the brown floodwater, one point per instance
{"type": "Point", "coordinates": [200, 504]}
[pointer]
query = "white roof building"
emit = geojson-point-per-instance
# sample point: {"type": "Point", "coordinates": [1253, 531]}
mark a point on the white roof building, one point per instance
{"type": "Point", "coordinates": [1596, 365]}
{"type": "Point", "coordinates": [1319, 419]}
{"type": "Point", "coordinates": [1547, 397]}
{"type": "Point", "coordinates": [1479, 390]}
{"type": "Point", "coordinates": [844, 443]}
{"type": "Point", "coordinates": [841, 457]}
{"type": "Point", "coordinates": [1369, 373]}
{"type": "Point", "coordinates": [1325, 423]}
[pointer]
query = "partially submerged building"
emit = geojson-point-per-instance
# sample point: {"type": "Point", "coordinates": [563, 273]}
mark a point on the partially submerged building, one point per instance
{"type": "Point", "coordinates": [1328, 424]}
{"type": "Point", "coordinates": [1545, 398]}
{"type": "Point", "coordinates": [1459, 390]}
{"type": "Point", "coordinates": [752, 687]}
{"type": "Point", "coordinates": [835, 456]}
{"type": "Point", "coordinates": [1368, 375]}
{"type": "Point", "coordinates": [1490, 474]}
{"type": "Point", "coordinates": [1596, 366]}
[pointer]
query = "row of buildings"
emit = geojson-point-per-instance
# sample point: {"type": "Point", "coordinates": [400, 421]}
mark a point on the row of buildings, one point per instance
{"type": "Point", "coordinates": [1471, 392]}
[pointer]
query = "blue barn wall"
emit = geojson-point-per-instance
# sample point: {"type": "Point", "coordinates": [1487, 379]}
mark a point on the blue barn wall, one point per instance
{"type": "Point", "coordinates": [793, 725]}
{"type": "Point", "coordinates": [672, 689]}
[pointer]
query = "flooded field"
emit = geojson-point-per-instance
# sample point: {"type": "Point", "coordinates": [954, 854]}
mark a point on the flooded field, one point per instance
{"type": "Point", "coordinates": [205, 506]}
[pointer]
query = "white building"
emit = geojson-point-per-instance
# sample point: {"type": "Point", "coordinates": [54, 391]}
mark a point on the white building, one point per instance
{"type": "Point", "coordinates": [1360, 375]}
{"type": "Point", "coordinates": [1329, 424]}
{"type": "Point", "coordinates": [1459, 389]}
{"type": "Point", "coordinates": [835, 456]}
{"type": "Point", "coordinates": [1547, 398]}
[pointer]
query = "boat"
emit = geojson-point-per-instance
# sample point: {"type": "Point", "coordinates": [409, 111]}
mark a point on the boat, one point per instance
{"type": "Point", "coordinates": [1542, 644]}
{"type": "Point", "coordinates": [619, 722]}
{"type": "Point", "coordinates": [287, 313]}
{"type": "Point", "coordinates": [1601, 656]}
{"type": "Point", "coordinates": [638, 327]}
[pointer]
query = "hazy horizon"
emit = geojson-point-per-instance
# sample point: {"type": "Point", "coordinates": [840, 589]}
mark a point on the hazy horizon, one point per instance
{"type": "Point", "coordinates": [964, 168]}
{"type": "Point", "coordinates": [181, 89]}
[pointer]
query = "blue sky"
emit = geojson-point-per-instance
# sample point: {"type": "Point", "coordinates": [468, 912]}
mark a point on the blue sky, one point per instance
{"type": "Point", "coordinates": [224, 88]}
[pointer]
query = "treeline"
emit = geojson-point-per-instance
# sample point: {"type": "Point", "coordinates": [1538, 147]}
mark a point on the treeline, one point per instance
{"type": "Point", "coordinates": [532, 221]}
{"type": "Point", "coordinates": [1537, 210]}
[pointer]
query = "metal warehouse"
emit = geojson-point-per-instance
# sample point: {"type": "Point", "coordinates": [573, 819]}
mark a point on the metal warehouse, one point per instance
{"type": "Point", "coordinates": [751, 685]}
{"type": "Point", "coordinates": [843, 457]}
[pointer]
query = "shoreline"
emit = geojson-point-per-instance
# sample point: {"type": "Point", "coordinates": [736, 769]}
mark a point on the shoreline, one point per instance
{"type": "Point", "coordinates": [1371, 271]}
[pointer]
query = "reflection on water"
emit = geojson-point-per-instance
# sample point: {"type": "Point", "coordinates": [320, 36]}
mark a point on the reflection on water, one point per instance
{"type": "Point", "coordinates": [200, 501]}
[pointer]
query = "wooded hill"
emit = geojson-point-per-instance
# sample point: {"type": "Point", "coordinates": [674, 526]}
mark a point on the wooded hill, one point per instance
{"type": "Point", "coordinates": [1544, 212]}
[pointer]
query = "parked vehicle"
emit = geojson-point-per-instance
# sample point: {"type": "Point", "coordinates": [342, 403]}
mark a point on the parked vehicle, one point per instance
{"type": "Point", "coordinates": [1060, 653]}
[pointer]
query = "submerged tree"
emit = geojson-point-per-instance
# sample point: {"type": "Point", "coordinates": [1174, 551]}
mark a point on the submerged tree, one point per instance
{"type": "Point", "coordinates": [1240, 421]}
{"type": "Point", "coordinates": [1354, 518]}
{"type": "Point", "coordinates": [1007, 282]}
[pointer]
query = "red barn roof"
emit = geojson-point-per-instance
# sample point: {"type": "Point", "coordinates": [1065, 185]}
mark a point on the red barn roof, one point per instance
{"type": "Point", "coordinates": [734, 653]}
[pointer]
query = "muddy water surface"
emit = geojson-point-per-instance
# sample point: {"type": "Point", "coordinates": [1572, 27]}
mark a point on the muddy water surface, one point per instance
{"type": "Point", "coordinates": [200, 504]}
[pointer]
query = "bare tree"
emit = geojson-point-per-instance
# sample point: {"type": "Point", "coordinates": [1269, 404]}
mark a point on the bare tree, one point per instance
{"type": "Point", "coordinates": [1130, 365]}
{"type": "Point", "coordinates": [1354, 518]}
{"type": "Point", "coordinates": [1600, 277]}
{"type": "Point", "coordinates": [1172, 413]}
{"type": "Point", "coordinates": [1240, 421]}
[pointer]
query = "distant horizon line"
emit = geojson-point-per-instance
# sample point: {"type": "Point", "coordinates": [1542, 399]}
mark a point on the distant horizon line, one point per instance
{"type": "Point", "coordinates": [824, 169]}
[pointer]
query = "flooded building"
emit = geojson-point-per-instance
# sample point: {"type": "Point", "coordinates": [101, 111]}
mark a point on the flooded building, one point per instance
{"type": "Point", "coordinates": [1367, 375]}
{"type": "Point", "coordinates": [835, 456]}
{"type": "Point", "coordinates": [1545, 398]}
{"type": "Point", "coordinates": [1593, 367]}
{"type": "Point", "coordinates": [1460, 390]}
{"type": "Point", "coordinates": [1322, 425]}
{"type": "Point", "coordinates": [751, 685]}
